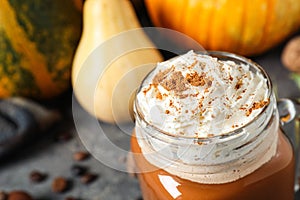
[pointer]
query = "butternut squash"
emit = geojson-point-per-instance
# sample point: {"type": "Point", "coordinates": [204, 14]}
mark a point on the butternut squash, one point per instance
{"type": "Point", "coordinates": [113, 56]}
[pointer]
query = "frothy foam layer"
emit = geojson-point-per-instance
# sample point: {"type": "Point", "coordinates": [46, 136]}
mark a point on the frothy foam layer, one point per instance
{"type": "Point", "coordinates": [198, 95]}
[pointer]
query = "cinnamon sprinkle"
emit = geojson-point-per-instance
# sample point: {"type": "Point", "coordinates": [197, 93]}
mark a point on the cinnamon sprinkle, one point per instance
{"type": "Point", "coordinates": [257, 105]}
{"type": "Point", "coordinates": [149, 88]}
{"type": "Point", "coordinates": [158, 95]}
{"type": "Point", "coordinates": [160, 76]}
{"type": "Point", "coordinates": [171, 103]}
{"type": "Point", "coordinates": [209, 83]}
{"type": "Point", "coordinates": [202, 65]}
{"type": "Point", "coordinates": [193, 64]}
{"type": "Point", "coordinates": [195, 79]}
{"type": "Point", "coordinates": [238, 84]}
{"type": "Point", "coordinates": [206, 90]}
{"type": "Point", "coordinates": [175, 83]}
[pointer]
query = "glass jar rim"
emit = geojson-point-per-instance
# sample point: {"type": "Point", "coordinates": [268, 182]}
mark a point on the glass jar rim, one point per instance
{"type": "Point", "coordinates": [226, 135]}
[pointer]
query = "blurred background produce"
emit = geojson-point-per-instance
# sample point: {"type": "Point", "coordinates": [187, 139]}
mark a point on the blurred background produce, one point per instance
{"type": "Point", "coordinates": [110, 62]}
{"type": "Point", "coordinates": [247, 27]}
{"type": "Point", "coordinates": [37, 42]}
{"type": "Point", "coordinates": [290, 58]}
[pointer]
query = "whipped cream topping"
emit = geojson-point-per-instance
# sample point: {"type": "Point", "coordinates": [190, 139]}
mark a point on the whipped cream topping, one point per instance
{"type": "Point", "coordinates": [200, 96]}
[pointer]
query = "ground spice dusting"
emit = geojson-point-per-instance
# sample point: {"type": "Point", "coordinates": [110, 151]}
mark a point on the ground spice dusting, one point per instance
{"type": "Point", "coordinates": [202, 65]}
{"type": "Point", "coordinates": [158, 95]}
{"type": "Point", "coordinates": [221, 65]}
{"type": "Point", "coordinates": [196, 94]}
{"type": "Point", "coordinates": [147, 89]}
{"type": "Point", "coordinates": [182, 96]}
{"type": "Point", "coordinates": [195, 79]}
{"type": "Point", "coordinates": [200, 104]}
{"type": "Point", "coordinates": [201, 117]}
{"type": "Point", "coordinates": [193, 64]}
{"type": "Point", "coordinates": [248, 112]}
{"type": "Point", "coordinates": [257, 105]}
{"type": "Point", "coordinates": [238, 84]}
{"type": "Point", "coordinates": [160, 76]}
{"type": "Point", "coordinates": [175, 83]}
{"type": "Point", "coordinates": [167, 112]}
{"type": "Point", "coordinates": [228, 116]}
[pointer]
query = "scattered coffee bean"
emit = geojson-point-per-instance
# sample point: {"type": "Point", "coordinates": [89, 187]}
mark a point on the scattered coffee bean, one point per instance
{"type": "Point", "coordinates": [37, 177]}
{"type": "Point", "coordinates": [19, 195]}
{"type": "Point", "coordinates": [3, 195]}
{"type": "Point", "coordinates": [88, 178]}
{"type": "Point", "coordinates": [59, 185]}
{"type": "Point", "coordinates": [80, 155]}
{"type": "Point", "coordinates": [78, 170]}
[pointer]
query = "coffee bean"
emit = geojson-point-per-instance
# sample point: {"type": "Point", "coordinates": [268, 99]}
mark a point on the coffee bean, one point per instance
{"type": "Point", "coordinates": [37, 177]}
{"type": "Point", "coordinates": [80, 155]}
{"type": "Point", "coordinates": [88, 178]}
{"type": "Point", "coordinates": [3, 195]}
{"type": "Point", "coordinates": [19, 195]}
{"type": "Point", "coordinates": [78, 170]}
{"type": "Point", "coordinates": [59, 185]}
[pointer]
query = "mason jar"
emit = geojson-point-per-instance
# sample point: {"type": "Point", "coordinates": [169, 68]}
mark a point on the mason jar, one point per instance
{"type": "Point", "coordinates": [254, 161]}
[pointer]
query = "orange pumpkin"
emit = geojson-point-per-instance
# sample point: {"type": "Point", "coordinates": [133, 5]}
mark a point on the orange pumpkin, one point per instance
{"type": "Point", "coordinates": [246, 27]}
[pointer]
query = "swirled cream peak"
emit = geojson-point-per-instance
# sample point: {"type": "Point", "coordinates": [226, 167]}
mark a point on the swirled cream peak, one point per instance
{"type": "Point", "coordinates": [201, 96]}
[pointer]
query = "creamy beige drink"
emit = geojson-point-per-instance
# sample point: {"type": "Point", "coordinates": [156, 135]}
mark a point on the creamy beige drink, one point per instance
{"type": "Point", "coordinates": [209, 123]}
